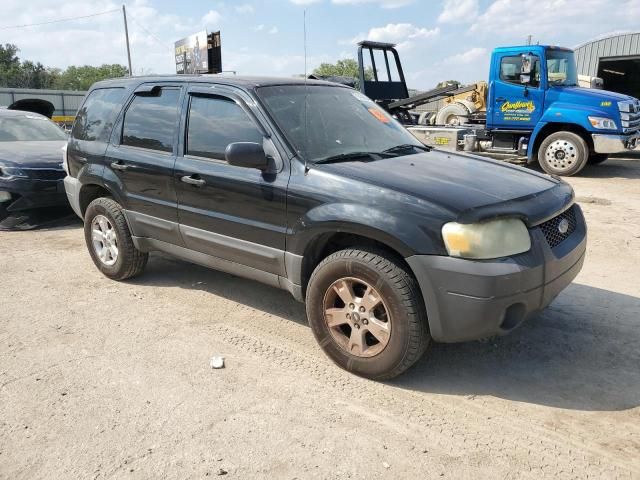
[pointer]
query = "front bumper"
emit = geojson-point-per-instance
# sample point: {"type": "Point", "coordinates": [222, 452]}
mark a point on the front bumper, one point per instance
{"type": "Point", "coordinates": [615, 143]}
{"type": "Point", "coordinates": [469, 300]}
{"type": "Point", "coordinates": [28, 193]}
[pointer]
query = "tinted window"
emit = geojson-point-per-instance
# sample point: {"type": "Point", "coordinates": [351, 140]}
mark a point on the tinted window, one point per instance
{"type": "Point", "coordinates": [94, 120]}
{"type": "Point", "coordinates": [511, 67]}
{"type": "Point", "coordinates": [150, 120]}
{"type": "Point", "coordinates": [30, 128]}
{"type": "Point", "coordinates": [561, 68]}
{"type": "Point", "coordinates": [214, 123]}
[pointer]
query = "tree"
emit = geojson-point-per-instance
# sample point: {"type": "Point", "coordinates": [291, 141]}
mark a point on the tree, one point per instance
{"type": "Point", "coordinates": [81, 78]}
{"type": "Point", "coordinates": [15, 73]}
{"type": "Point", "coordinates": [343, 68]}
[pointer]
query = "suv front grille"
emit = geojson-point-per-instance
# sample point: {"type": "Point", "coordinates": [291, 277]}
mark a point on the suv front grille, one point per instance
{"type": "Point", "coordinates": [553, 231]}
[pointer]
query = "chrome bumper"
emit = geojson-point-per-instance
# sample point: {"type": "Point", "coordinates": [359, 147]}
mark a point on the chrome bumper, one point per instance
{"type": "Point", "coordinates": [615, 143]}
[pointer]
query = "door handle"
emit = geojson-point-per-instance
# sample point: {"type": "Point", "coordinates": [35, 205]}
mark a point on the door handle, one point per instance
{"type": "Point", "coordinates": [192, 180]}
{"type": "Point", "coordinates": [501, 100]}
{"type": "Point", "coordinates": [119, 165]}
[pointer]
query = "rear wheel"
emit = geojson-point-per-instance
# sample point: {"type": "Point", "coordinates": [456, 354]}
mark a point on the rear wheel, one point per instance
{"type": "Point", "coordinates": [452, 114]}
{"type": "Point", "coordinates": [598, 158]}
{"type": "Point", "coordinates": [563, 153]}
{"type": "Point", "coordinates": [109, 240]}
{"type": "Point", "coordinates": [367, 314]}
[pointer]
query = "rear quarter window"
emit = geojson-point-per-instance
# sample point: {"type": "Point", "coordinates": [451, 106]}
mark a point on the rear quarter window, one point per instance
{"type": "Point", "coordinates": [94, 121]}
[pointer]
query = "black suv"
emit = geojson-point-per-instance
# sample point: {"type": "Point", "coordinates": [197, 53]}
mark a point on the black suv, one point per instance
{"type": "Point", "coordinates": [310, 187]}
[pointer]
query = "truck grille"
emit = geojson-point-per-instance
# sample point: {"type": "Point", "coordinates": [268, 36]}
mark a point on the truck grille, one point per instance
{"type": "Point", "coordinates": [630, 115]}
{"type": "Point", "coordinates": [552, 228]}
{"type": "Point", "coordinates": [45, 173]}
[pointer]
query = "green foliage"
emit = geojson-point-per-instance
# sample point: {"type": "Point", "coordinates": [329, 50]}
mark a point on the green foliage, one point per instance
{"type": "Point", "coordinates": [343, 68]}
{"type": "Point", "coordinates": [26, 74]}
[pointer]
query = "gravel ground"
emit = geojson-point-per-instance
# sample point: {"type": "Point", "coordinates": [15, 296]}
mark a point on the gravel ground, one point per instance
{"type": "Point", "coordinates": [100, 379]}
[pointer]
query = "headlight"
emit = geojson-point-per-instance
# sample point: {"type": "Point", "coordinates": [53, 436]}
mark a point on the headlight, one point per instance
{"type": "Point", "coordinates": [492, 239]}
{"type": "Point", "coordinates": [603, 123]}
{"type": "Point", "coordinates": [12, 172]}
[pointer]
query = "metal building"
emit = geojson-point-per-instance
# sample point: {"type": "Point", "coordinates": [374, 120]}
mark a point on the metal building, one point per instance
{"type": "Point", "coordinates": [615, 59]}
{"type": "Point", "coordinates": [63, 103]}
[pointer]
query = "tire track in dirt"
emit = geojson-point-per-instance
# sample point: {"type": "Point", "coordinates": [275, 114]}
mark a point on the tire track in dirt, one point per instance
{"type": "Point", "coordinates": [484, 434]}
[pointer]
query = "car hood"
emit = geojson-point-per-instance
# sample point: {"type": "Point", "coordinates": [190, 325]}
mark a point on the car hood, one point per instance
{"type": "Point", "coordinates": [472, 188]}
{"type": "Point", "coordinates": [31, 154]}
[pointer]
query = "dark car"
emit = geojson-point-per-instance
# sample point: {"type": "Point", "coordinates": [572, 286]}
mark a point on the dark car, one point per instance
{"type": "Point", "coordinates": [310, 187]}
{"type": "Point", "coordinates": [31, 173]}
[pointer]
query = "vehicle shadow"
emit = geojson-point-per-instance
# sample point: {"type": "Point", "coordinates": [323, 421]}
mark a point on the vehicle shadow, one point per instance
{"type": "Point", "coordinates": [581, 353]}
{"type": "Point", "coordinates": [49, 218]}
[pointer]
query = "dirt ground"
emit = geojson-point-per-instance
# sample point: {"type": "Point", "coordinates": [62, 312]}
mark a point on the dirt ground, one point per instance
{"type": "Point", "coordinates": [100, 379]}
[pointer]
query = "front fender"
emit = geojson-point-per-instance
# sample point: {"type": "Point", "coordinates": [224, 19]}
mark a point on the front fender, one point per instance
{"type": "Point", "coordinates": [401, 233]}
{"type": "Point", "coordinates": [565, 113]}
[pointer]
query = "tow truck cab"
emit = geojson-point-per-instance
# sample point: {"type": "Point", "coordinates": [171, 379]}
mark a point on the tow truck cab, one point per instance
{"type": "Point", "coordinates": [533, 109]}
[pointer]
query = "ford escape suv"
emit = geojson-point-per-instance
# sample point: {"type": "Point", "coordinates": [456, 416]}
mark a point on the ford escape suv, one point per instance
{"type": "Point", "coordinates": [312, 188]}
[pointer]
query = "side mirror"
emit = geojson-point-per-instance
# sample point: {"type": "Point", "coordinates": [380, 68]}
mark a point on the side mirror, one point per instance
{"type": "Point", "coordinates": [246, 154]}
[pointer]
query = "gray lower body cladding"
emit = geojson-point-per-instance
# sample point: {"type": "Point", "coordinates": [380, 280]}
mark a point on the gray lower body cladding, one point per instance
{"type": "Point", "coordinates": [469, 300]}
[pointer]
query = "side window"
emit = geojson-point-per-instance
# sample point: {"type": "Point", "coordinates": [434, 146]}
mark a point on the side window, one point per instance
{"type": "Point", "coordinates": [150, 120]}
{"type": "Point", "coordinates": [95, 118]}
{"type": "Point", "coordinates": [511, 67]}
{"type": "Point", "coordinates": [214, 123]}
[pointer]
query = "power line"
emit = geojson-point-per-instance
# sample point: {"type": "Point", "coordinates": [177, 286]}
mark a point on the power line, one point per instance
{"type": "Point", "coordinates": [68, 19]}
{"type": "Point", "coordinates": [158, 41]}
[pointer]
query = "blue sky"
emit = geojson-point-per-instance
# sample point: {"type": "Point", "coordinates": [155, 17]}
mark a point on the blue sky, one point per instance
{"type": "Point", "coordinates": [438, 39]}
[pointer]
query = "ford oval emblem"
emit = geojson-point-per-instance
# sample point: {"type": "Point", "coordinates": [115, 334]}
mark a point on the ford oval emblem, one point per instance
{"type": "Point", "coordinates": [563, 226]}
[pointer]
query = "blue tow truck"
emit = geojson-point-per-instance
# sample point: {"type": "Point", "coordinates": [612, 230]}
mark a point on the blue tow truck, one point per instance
{"type": "Point", "coordinates": [530, 110]}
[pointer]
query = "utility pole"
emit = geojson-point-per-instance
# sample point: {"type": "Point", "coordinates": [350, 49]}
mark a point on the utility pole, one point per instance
{"type": "Point", "coordinates": [126, 35]}
{"type": "Point", "coordinates": [528, 39]}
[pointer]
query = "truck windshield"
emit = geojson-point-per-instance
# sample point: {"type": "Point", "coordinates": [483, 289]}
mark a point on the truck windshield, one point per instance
{"type": "Point", "coordinates": [324, 122]}
{"type": "Point", "coordinates": [561, 68]}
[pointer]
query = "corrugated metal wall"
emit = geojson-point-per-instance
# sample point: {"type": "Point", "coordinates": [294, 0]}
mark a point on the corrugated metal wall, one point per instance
{"type": "Point", "coordinates": [589, 54]}
{"type": "Point", "coordinates": [66, 102]}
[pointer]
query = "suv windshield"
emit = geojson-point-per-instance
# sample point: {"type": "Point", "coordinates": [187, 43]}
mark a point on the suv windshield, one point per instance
{"type": "Point", "coordinates": [561, 68]}
{"type": "Point", "coordinates": [29, 129]}
{"type": "Point", "coordinates": [339, 122]}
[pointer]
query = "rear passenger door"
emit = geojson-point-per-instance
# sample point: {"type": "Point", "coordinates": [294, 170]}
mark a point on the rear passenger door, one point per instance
{"type": "Point", "coordinates": [141, 158]}
{"type": "Point", "coordinates": [233, 213]}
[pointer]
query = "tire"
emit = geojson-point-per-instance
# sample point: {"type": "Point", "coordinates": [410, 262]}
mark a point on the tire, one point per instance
{"type": "Point", "coordinates": [453, 114]}
{"type": "Point", "coordinates": [597, 158]}
{"type": "Point", "coordinates": [126, 261]}
{"type": "Point", "coordinates": [398, 316]}
{"type": "Point", "coordinates": [563, 154]}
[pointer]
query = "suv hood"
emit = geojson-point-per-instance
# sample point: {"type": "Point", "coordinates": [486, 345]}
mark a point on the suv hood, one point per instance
{"type": "Point", "coordinates": [472, 188]}
{"type": "Point", "coordinates": [32, 154]}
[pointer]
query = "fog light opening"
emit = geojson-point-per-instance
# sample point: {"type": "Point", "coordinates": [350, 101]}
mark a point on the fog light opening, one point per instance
{"type": "Point", "coordinates": [513, 316]}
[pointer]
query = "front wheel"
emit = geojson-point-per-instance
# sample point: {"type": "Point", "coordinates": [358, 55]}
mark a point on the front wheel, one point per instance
{"type": "Point", "coordinates": [366, 312]}
{"type": "Point", "coordinates": [563, 153]}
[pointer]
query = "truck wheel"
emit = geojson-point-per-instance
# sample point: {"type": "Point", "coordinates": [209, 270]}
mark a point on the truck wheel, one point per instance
{"type": "Point", "coordinates": [367, 314]}
{"type": "Point", "coordinates": [453, 114]}
{"type": "Point", "coordinates": [563, 153]}
{"type": "Point", "coordinates": [109, 241]}
{"type": "Point", "coordinates": [597, 158]}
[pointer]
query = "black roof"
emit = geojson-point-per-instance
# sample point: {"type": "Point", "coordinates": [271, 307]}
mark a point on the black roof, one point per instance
{"type": "Point", "coordinates": [246, 82]}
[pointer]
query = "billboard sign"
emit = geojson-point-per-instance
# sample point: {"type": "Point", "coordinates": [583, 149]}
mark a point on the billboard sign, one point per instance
{"type": "Point", "coordinates": [191, 54]}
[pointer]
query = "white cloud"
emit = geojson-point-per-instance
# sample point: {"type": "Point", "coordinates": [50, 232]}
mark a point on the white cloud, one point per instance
{"type": "Point", "coordinates": [404, 35]}
{"type": "Point", "coordinates": [304, 2]}
{"type": "Point", "coordinates": [273, 30]}
{"type": "Point", "coordinates": [381, 3]}
{"type": "Point", "coordinates": [212, 17]}
{"type": "Point", "coordinates": [459, 11]}
{"type": "Point", "coordinates": [471, 56]}
{"type": "Point", "coordinates": [549, 20]}
{"type": "Point", "coordinates": [244, 8]}
{"type": "Point", "coordinates": [259, 28]}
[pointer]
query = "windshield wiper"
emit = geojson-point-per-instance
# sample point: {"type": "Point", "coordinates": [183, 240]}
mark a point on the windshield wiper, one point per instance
{"type": "Point", "coordinates": [345, 157]}
{"type": "Point", "coordinates": [407, 146]}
